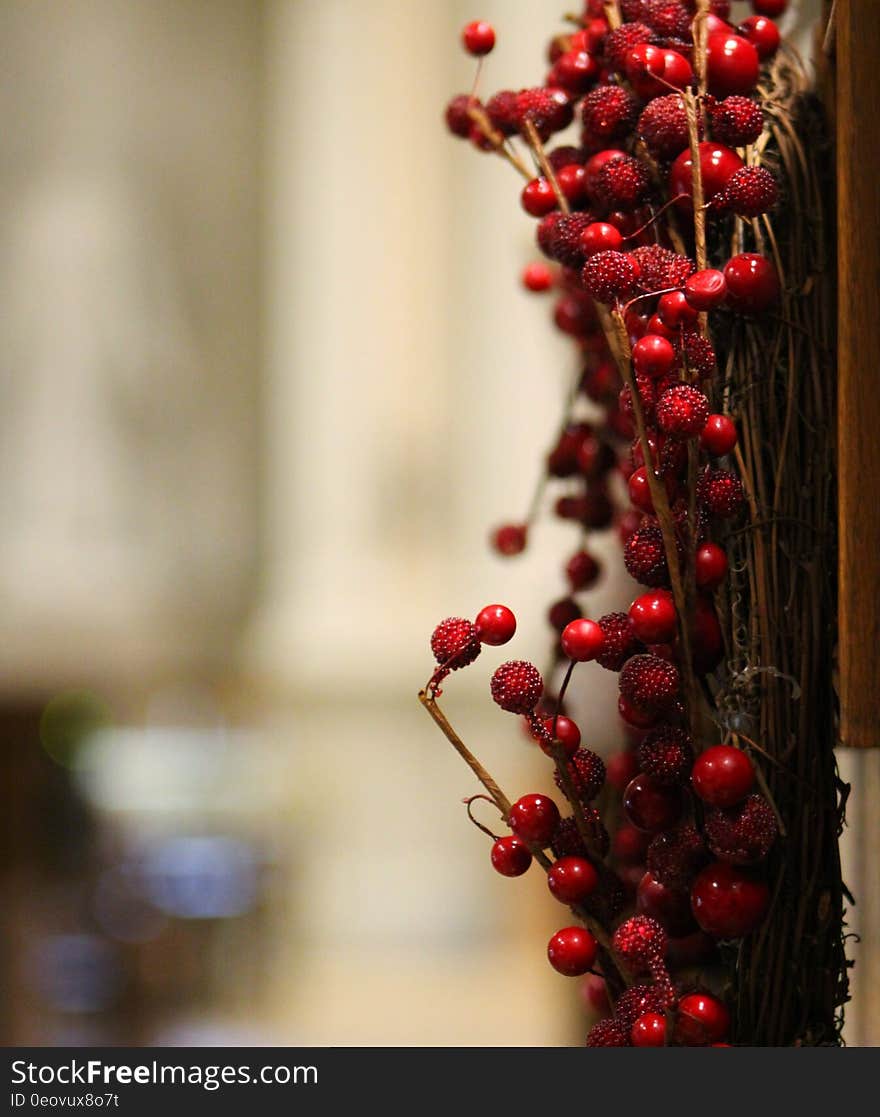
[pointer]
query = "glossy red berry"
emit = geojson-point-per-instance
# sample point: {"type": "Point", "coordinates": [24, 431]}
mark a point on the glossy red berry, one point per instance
{"type": "Point", "coordinates": [572, 951]}
{"type": "Point", "coordinates": [620, 768]}
{"type": "Point", "coordinates": [572, 879]}
{"type": "Point", "coordinates": [510, 856]}
{"type": "Point", "coordinates": [653, 356]}
{"type": "Point", "coordinates": [564, 732]}
{"type": "Point", "coordinates": [701, 1020]}
{"type": "Point", "coordinates": [478, 37]}
{"type": "Point", "coordinates": [534, 818]}
{"type": "Point", "coordinates": [762, 33]}
{"type": "Point", "coordinates": [718, 164]}
{"type": "Point", "coordinates": [575, 71]}
{"type": "Point", "coordinates": [537, 277]}
{"type": "Point", "coordinates": [668, 904]}
{"type": "Point", "coordinates": [510, 539]}
{"type": "Point", "coordinates": [571, 180]}
{"type": "Point", "coordinates": [718, 436]}
{"type": "Point", "coordinates": [732, 64]}
{"type": "Point", "coordinates": [752, 282]}
{"type": "Point", "coordinates": [675, 311]}
{"type": "Point", "coordinates": [710, 566]}
{"type": "Point", "coordinates": [496, 624]}
{"type": "Point", "coordinates": [650, 805]}
{"type": "Point", "coordinates": [582, 640]}
{"type": "Point", "coordinates": [677, 70]}
{"type": "Point", "coordinates": [722, 776]}
{"type": "Point", "coordinates": [600, 237]}
{"type": "Point", "coordinates": [517, 686]}
{"type": "Point", "coordinates": [640, 490]}
{"type": "Point", "coordinates": [706, 289]}
{"type": "Point", "coordinates": [727, 902]}
{"type": "Point", "coordinates": [649, 1031]}
{"type": "Point", "coordinates": [654, 618]}
{"type": "Point", "coordinates": [538, 197]}
{"type": "Point", "coordinates": [644, 64]}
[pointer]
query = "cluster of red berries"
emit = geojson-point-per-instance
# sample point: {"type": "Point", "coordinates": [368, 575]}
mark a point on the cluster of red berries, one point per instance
{"type": "Point", "coordinates": [646, 448]}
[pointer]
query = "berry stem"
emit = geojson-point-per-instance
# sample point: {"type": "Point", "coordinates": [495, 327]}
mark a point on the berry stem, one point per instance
{"type": "Point", "coordinates": [699, 33]}
{"type": "Point", "coordinates": [479, 117]}
{"type": "Point", "coordinates": [495, 793]}
{"type": "Point", "coordinates": [468, 802]}
{"type": "Point", "coordinates": [620, 349]}
{"type": "Point", "coordinates": [691, 110]}
{"type": "Point", "coordinates": [612, 14]}
{"type": "Point", "coordinates": [534, 142]}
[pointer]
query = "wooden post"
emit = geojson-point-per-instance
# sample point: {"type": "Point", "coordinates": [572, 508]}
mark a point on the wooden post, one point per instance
{"type": "Point", "coordinates": [857, 74]}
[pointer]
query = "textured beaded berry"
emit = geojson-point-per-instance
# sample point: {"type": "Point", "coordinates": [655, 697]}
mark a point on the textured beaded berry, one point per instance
{"type": "Point", "coordinates": [622, 183]}
{"type": "Point", "coordinates": [660, 267]}
{"type": "Point", "coordinates": [750, 192]}
{"type": "Point", "coordinates": [743, 834]}
{"type": "Point", "coordinates": [586, 771]}
{"type": "Point", "coordinates": [636, 1001]}
{"type": "Point", "coordinates": [722, 493]}
{"type": "Point", "coordinates": [534, 818]}
{"type": "Point", "coordinates": [645, 556]}
{"type": "Point", "coordinates": [736, 121]}
{"type": "Point", "coordinates": [639, 942]}
{"type": "Point", "coordinates": [609, 275]}
{"type": "Point", "coordinates": [609, 112]}
{"type": "Point", "coordinates": [510, 856]}
{"type": "Point", "coordinates": [663, 126]}
{"type": "Point", "coordinates": [620, 641]}
{"type": "Point", "coordinates": [676, 856]}
{"type": "Point", "coordinates": [667, 754]}
{"type": "Point", "coordinates": [572, 951]}
{"type": "Point", "coordinates": [607, 1033]}
{"type": "Point", "coordinates": [582, 571]}
{"type": "Point", "coordinates": [682, 411]}
{"type": "Point", "coordinates": [649, 682]}
{"type": "Point", "coordinates": [517, 686]}
{"type": "Point", "coordinates": [455, 643]}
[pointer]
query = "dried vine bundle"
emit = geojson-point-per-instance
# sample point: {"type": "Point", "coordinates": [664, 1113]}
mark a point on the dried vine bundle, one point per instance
{"type": "Point", "coordinates": [688, 227]}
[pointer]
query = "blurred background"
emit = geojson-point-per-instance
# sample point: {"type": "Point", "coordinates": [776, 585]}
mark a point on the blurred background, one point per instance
{"type": "Point", "coordinates": [267, 379]}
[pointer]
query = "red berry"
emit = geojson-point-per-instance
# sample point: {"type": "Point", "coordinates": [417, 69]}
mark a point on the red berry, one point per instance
{"type": "Point", "coordinates": [718, 436]}
{"type": "Point", "coordinates": [721, 492]}
{"type": "Point", "coordinates": [666, 754]}
{"type": "Point", "coordinates": [537, 277]}
{"type": "Point", "coordinates": [710, 566]}
{"type": "Point", "coordinates": [649, 1031]}
{"type": "Point", "coordinates": [653, 357]}
{"type": "Point", "coordinates": [706, 289]}
{"type": "Point", "coordinates": [478, 37]}
{"type": "Point", "coordinates": [510, 856]}
{"type": "Point", "coordinates": [534, 818]}
{"type": "Point", "coordinates": [609, 275]}
{"type": "Point", "coordinates": [538, 197]}
{"type": "Point", "coordinates": [732, 65]}
{"type": "Point", "coordinates": [743, 834]}
{"type": "Point", "coordinates": [762, 33]}
{"type": "Point", "coordinates": [458, 121]}
{"type": "Point", "coordinates": [701, 1020]}
{"type": "Point", "coordinates": [455, 643]}
{"type": "Point", "coordinates": [609, 112]}
{"type": "Point", "coordinates": [658, 327]}
{"type": "Point", "coordinates": [575, 71]}
{"type": "Point", "coordinates": [496, 625]}
{"type": "Point", "coordinates": [727, 902]}
{"type": "Point", "coordinates": [564, 732]}
{"type": "Point", "coordinates": [582, 571]}
{"type": "Point", "coordinates": [675, 857]}
{"type": "Point", "coordinates": [572, 879]}
{"type": "Point", "coordinates": [675, 310]}
{"type": "Point", "coordinates": [639, 942]}
{"type": "Point", "coordinates": [774, 8]}
{"type": "Point", "coordinates": [517, 686]}
{"type": "Point", "coordinates": [752, 282]}
{"type": "Point", "coordinates": [629, 845]}
{"type": "Point", "coordinates": [622, 183]}
{"type": "Point", "coordinates": [722, 775]}
{"type": "Point", "coordinates": [619, 42]}
{"type": "Point", "coordinates": [636, 1001]}
{"type": "Point", "coordinates": [572, 951]}
{"type": "Point", "coordinates": [571, 180]}
{"type": "Point", "coordinates": [645, 557]}
{"type": "Point", "coordinates": [750, 192]}
{"type": "Point", "coordinates": [736, 121]}
{"type": "Point", "coordinates": [583, 640]}
{"type": "Point", "coordinates": [644, 64]}
{"type": "Point", "coordinates": [620, 769]}
{"type": "Point", "coordinates": [595, 994]}
{"type": "Point", "coordinates": [718, 164]}
{"type": "Point", "coordinates": [561, 613]}
{"type": "Point", "coordinates": [670, 906]}
{"type": "Point", "coordinates": [654, 618]}
{"type": "Point", "coordinates": [677, 70]}
{"type": "Point", "coordinates": [607, 1033]}
{"type": "Point", "coordinates": [663, 126]}
{"type": "Point", "coordinates": [650, 805]}
{"type": "Point", "coordinates": [632, 715]}
{"type": "Point", "coordinates": [586, 771]}
{"type": "Point", "coordinates": [699, 355]}
{"type": "Point", "coordinates": [510, 539]}
{"type": "Point", "coordinates": [660, 267]}
{"type": "Point", "coordinates": [600, 237]}
{"type": "Point", "coordinates": [640, 490]}
{"type": "Point", "coordinates": [682, 411]}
